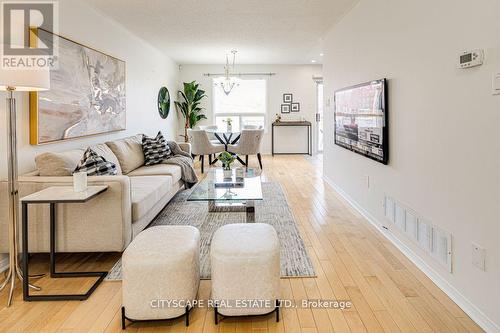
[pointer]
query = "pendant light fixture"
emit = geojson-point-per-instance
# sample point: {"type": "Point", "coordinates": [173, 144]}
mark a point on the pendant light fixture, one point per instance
{"type": "Point", "coordinates": [228, 83]}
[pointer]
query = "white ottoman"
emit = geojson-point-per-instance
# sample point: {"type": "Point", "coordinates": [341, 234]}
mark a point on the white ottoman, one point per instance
{"type": "Point", "coordinates": [161, 274]}
{"type": "Point", "coordinates": [245, 262]}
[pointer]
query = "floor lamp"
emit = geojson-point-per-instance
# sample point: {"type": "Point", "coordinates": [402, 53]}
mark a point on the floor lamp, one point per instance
{"type": "Point", "coordinates": [16, 80]}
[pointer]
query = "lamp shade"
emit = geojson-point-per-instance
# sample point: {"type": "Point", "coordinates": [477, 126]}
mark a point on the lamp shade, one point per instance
{"type": "Point", "coordinates": [25, 79]}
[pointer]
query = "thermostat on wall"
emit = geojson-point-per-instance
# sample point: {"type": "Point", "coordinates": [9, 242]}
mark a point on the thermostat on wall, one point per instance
{"type": "Point", "coordinates": [471, 59]}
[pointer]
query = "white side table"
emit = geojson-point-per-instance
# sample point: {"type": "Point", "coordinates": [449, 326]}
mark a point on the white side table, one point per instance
{"type": "Point", "coordinates": [52, 196]}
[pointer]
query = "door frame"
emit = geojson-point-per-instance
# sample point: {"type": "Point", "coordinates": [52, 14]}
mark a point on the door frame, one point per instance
{"type": "Point", "coordinates": [318, 80]}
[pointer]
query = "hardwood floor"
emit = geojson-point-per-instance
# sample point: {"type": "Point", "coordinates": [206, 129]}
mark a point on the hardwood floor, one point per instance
{"type": "Point", "coordinates": [352, 261]}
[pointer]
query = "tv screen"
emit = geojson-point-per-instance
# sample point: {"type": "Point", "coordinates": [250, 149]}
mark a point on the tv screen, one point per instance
{"type": "Point", "coordinates": [361, 122]}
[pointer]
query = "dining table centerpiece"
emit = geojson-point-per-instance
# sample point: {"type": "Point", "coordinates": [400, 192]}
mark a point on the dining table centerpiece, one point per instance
{"type": "Point", "coordinates": [229, 124]}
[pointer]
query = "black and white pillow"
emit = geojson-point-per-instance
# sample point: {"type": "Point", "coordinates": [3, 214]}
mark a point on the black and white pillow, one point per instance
{"type": "Point", "coordinates": [95, 165]}
{"type": "Point", "coordinates": [155, 150]}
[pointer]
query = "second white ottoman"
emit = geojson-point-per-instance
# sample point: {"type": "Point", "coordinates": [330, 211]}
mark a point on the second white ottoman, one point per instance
{"type": "Point", "coordinates": [161, 274]}
{"type": "Point", "coordinates": [245, 263]}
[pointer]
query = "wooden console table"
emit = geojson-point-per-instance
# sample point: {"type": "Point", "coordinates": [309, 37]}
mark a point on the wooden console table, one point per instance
{"type": "Point", "coordinates": [298, 124]}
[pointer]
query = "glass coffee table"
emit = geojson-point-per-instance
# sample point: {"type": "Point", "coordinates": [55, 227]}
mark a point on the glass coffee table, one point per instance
{"type": "Point", "coordinates": [239, 198]}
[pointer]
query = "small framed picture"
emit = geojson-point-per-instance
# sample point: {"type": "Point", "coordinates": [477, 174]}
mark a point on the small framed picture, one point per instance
{"type": "Point", "coordinates": [287, 98]}
{"type": "Point", "coordinates": [285, 108]}
{"type": "Point", "coordinates": [295, 107]}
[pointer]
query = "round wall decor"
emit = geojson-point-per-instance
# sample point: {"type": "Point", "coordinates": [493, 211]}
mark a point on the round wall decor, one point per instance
{"type": "Point", "coordinates": [163, 102]}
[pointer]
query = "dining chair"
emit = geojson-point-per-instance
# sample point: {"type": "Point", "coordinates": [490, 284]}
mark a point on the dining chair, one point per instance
{"type": "Point", "coordinates": [254, 127]}
{"type": "Point", "coordinates": [201, 146]}
{"type": "Point", "coordinates": [249, 144]}
{"type": "Point", "coordinates": [207, 127]}
{"type": "Point", "coordinates": [211, 129]}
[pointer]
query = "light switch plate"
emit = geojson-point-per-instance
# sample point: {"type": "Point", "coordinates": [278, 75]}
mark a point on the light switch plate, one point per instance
{"type": "Point", "coordinates": [478, 257]}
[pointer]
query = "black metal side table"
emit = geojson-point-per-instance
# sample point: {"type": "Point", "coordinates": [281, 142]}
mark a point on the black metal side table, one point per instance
{"type": "Point", "coordinates": [52, 196]}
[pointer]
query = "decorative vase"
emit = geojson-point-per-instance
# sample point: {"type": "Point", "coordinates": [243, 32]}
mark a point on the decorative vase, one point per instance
{"type": "Point", "coordinates": [229, 128]}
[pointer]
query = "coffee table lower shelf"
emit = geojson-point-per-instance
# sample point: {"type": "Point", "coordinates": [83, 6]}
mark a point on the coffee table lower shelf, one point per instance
{"type": "Point", "coordinates": [247, 206]}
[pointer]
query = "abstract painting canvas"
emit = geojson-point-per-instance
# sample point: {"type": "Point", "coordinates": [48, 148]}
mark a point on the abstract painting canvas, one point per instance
{"type": "Point", "coordinates": [86, 96]}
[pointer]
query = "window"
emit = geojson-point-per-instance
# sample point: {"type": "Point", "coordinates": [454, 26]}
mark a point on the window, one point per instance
{"type": "Point", "coordinates": [245, 105]}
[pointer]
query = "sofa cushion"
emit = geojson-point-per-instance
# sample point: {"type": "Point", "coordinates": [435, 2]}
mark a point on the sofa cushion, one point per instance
{"type": "Point", "coordinates": [58, 164]}
{"type": "Point", "coordinates": [146, 192]}
{"type": "Point", "coordinates": [64, 163]}
{"type": "Point", "coordinates": [129, 152]}
{"type": "Point", "coordinates": [158, 170]}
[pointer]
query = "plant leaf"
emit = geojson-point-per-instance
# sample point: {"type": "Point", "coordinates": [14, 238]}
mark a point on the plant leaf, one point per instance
{"type": "Point", "coordinates": [190, 106]}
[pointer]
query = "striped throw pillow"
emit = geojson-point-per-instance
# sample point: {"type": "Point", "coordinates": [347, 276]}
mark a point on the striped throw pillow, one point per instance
{"type": "Point", "coordinates": [95, 165]}
{"type": "Point", "coordinates": [155, 150]}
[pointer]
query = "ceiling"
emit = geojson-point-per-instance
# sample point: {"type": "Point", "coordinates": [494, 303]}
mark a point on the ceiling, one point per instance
{"type": "Point", "coordinates": [203, 31]}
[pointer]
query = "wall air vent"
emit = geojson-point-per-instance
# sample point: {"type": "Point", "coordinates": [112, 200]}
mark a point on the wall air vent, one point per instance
{"type": "Point", "coordinates": [432, 239]}
{"type": "Point", "coordinates": [441, 247]}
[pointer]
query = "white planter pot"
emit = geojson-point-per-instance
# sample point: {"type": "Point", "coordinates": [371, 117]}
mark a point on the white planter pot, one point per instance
{"type": "Point", "coordinates": [228, 173]}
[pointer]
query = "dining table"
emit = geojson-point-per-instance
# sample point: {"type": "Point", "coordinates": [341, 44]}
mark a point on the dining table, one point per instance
{"type": "Point", "coordinates": [226, 138]}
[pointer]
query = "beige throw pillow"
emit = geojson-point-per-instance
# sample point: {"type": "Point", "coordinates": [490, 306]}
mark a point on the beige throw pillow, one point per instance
{"type": "Point", "coordinates": [58, 164]}
{"type": "Point", "coordinates": [129, 152]}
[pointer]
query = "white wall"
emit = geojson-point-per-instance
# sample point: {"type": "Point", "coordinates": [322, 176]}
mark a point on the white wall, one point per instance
{"type": "Point", "coordinates": [147, 69]}
{"type": "Point", "coordinates": [444, 145]}
{"type": "Point", "coordinates": [295, 79]}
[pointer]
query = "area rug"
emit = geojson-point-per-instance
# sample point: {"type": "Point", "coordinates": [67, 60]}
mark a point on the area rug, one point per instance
{"type": "Point", "coordinates": [274, 209]}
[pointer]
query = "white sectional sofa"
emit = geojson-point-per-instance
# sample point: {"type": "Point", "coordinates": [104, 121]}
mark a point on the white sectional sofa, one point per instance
{"type": "Point", "coordinates": [108, 222]}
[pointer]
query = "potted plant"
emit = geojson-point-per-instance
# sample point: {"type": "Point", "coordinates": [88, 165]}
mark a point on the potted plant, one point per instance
{"type": "Point", "coordinates": [229, 123]}
{"type": "Point", "coordinates": [226, 159]}
{"type": "Point", "coordinates": [190, 107]}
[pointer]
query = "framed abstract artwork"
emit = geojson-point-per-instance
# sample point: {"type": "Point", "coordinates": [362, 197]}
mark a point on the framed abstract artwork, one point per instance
{"type": "Point", "coordinates": [285, 108]}
{"type": "Point", "coordinates": [287, 98]}
{"type": "Point", "coordinates": [295, 107]}
{"type": "Point", "coordinates": [87, 95]}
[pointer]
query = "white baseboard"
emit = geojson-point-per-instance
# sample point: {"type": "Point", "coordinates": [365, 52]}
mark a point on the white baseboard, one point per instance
{"type": "Point", "coordinates": [467, 306]}
{"type": "Point", "coordinates": [4, 262]}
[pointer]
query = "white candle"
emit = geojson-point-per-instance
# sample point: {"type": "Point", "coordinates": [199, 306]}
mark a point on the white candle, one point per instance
{"type": "Point", "coordinates": [79, 181]}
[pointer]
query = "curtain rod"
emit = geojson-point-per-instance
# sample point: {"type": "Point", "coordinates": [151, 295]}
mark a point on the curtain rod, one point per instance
{"type": "Point", "coordinates": [240, 74]}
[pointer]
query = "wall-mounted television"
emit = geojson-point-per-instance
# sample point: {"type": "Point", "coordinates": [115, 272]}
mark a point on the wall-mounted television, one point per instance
{"type": "Point", "coordinates": [361, 119]}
